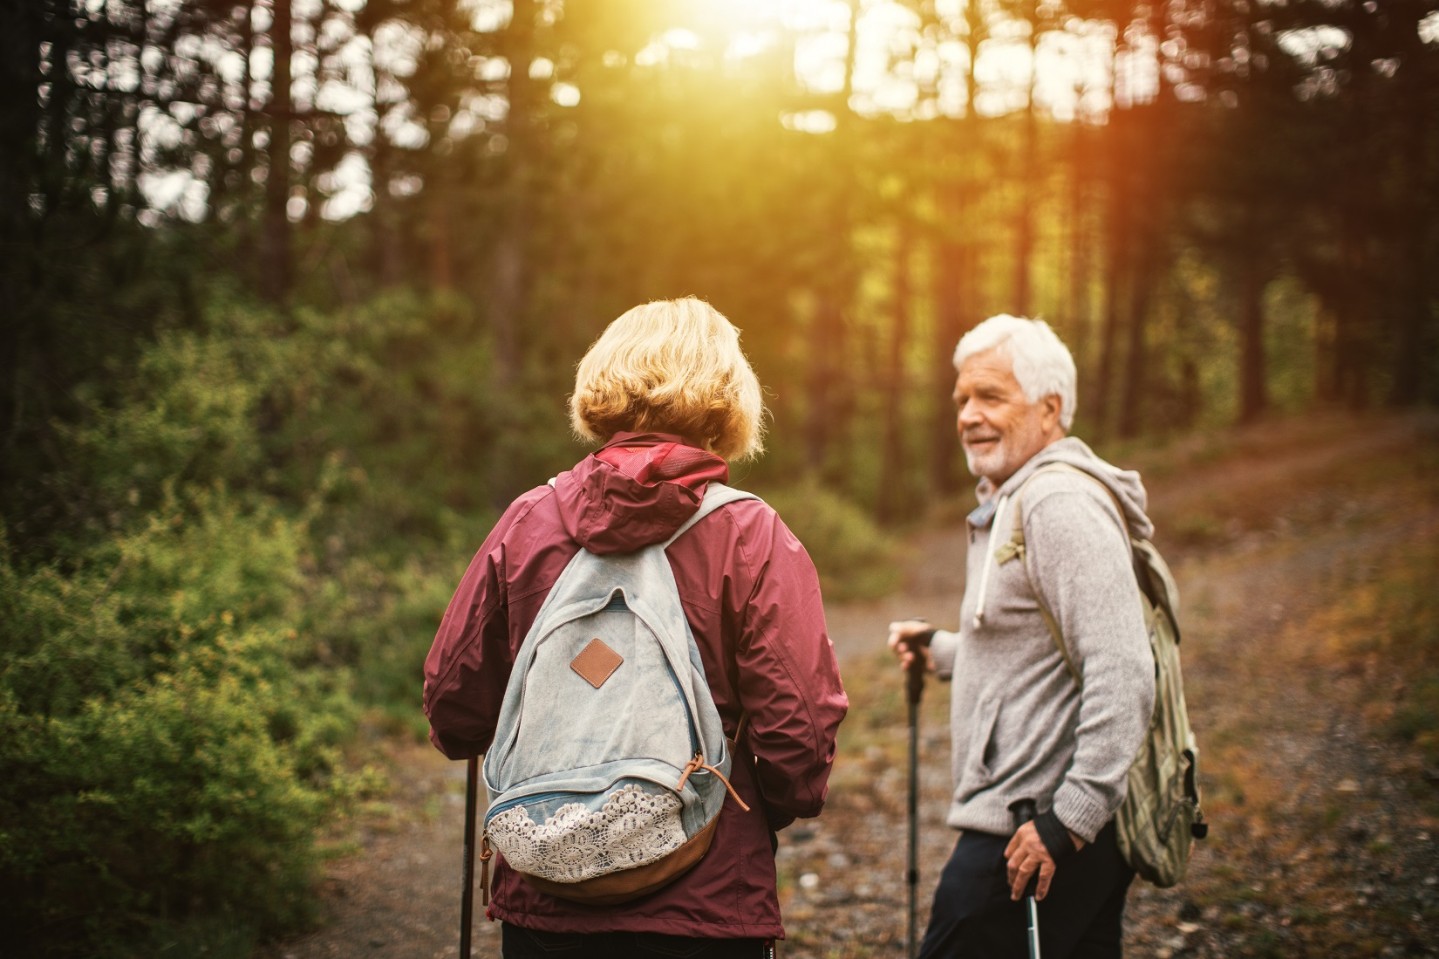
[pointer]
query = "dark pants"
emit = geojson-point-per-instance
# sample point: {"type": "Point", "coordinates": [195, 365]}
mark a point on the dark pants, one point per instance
{"type": "Point", "coordinates": [521, 943]}
{"type": "Point", "coordinates": [1081, 918]}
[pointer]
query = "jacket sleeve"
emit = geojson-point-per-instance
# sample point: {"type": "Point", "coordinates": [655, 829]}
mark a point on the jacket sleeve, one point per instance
{"type": "Point", "coordinates": [470, 660]}
{"type": "Point", "coordinates": [1083, 568]}
{"type": "Point", "coordinates": [789, 682]}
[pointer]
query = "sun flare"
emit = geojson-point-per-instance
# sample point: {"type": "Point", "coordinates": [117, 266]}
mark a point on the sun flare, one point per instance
{"type": "Point", "coordinates": [790, 14]}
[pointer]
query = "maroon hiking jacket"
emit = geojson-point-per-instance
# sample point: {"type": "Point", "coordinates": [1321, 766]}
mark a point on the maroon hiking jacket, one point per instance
{"type": "Point", "coordinates": [752, 599]}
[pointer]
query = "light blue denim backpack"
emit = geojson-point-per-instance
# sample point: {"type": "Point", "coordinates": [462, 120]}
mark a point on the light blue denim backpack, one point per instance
{"type": "Point", "coordinates": [609, 764]}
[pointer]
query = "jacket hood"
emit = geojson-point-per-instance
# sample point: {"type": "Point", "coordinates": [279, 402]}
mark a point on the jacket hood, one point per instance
{"type": "Point", "coordinates": [1125, 485]}
{"type": "Point", "coordinates": [638, 490]}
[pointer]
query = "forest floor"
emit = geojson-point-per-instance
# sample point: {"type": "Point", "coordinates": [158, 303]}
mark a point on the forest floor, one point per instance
{"type": "Point", "coordinates": [1307, 558]}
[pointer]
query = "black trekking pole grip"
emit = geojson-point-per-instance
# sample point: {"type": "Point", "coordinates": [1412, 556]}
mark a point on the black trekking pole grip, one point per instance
{"type": "Point", "coordinates": [914, 679]}
{"type": "Point", "coordinates": [1024, 811]}
{"type": "Point", "coordinates": [914, 673]}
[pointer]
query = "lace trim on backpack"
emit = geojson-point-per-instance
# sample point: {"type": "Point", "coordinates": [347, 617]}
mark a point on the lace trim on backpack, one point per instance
{"type": "Point", "coordinates": [633, 828]}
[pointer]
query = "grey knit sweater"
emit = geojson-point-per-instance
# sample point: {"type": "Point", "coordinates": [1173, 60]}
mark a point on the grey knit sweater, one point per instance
{"type": "Point", "coordinates": [1022, 727]}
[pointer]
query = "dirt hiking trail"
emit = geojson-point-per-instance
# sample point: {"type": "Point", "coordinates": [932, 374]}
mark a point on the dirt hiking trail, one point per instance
{"type": "Point", "coordinates": [1293, 543]}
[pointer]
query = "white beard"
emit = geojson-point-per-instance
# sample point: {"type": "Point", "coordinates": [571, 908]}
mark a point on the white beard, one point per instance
{"type": "Point", "coordinates": [985, 462]}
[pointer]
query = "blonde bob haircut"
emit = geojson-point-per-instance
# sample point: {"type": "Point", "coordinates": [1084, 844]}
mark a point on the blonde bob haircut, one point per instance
{"type": "Point", "coordinates": [671, 366]}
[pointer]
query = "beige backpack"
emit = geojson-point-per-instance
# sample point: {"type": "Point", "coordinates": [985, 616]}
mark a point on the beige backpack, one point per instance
{"type": "Point", "coordinates": [1160, 817]}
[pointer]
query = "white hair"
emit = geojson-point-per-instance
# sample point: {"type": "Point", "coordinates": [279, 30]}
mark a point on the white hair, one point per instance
{"type": "Point", "coordinates": [1042, 363]}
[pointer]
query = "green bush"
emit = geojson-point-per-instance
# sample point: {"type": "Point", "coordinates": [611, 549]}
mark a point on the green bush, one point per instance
{"type": "Point", "coordinates": [854, 558]}
{"type": "Point", "coordinates": [263, 518]}
{"type": "Point", "coordinates": [390, 670]}
{"type": "Point", "coordinates": [387, 412]}
{"type": "Point", "coordinates": [188, 418]}
{"type": "Point", "coordinates": [164, 758]}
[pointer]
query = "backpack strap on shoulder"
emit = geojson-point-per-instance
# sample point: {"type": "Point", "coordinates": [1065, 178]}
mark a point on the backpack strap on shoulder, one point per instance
{"type": "Point", "coordinates": [1053, 625]}
{"type": "Point", "coordinates": [1015, 547]}
{"type": "Point", "coordinates": [716, 495]}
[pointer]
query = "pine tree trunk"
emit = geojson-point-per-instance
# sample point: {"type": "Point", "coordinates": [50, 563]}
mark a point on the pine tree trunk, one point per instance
{"type": "Point", "coordinates": [275, 277]}
{"type": "Point", "coordinates": [1415, 127]}
{"type": "Point", "coordinates": [948, 277]}
{"type": "Point", "coordinates": [244, 168]}
{"type": "Point", "coordinates": [1078, 327]}
{"type": "Point", "coordinates": [1029, 179]}
{"type": "Point", "coordinates": [954, 273]}
{"type": "Point", "coordinates": [509, 268]}
{"type": "Point", "coordinates": [831, 403]}
{"type": "Point", "coordinates": [1147, 219]}
{"type": "Point", "coordinates": [894, 465]}
{"type": "Point", "coordinates": [1117, 252]}
{"type": "Point", "coordinates": [1131, 408]}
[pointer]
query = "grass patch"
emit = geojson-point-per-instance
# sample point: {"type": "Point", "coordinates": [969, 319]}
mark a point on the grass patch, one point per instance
{"type": "Point", "coordinates": [211, 937]}
{"type": "Point", "coordinates": [1385, 629]}
{"type": "Point", "coordinates": [874, 736]}
{"type": "Point", "coordinates": [1200, 528]}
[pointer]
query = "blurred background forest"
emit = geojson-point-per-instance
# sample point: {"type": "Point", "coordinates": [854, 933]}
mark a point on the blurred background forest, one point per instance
{"type": "Point", "coordinates": [293, 294]}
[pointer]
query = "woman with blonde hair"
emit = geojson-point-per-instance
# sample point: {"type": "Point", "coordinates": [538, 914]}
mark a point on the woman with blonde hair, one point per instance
{"type": "Point", "coordinates": [669, 397]}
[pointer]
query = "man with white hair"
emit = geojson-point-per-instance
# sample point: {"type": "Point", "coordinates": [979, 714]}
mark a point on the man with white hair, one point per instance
{"type": "Point", "coordinates": [1050, 539]}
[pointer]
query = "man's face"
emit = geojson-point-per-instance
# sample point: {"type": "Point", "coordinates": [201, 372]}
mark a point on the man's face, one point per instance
{"type": "Point", "coordinates": [999, 427]}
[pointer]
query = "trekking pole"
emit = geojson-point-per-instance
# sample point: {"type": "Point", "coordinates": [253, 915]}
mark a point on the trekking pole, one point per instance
{"type": "Point", "coordinates": [914, 691]}
{"type": "Point", "coordinates": [1025, 810]}
{"type": "Point", "coordinates": [467, 898]}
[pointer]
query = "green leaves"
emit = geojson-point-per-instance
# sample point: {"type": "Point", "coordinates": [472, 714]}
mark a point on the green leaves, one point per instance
{"type": "Point", "coordinates": [854, 558]}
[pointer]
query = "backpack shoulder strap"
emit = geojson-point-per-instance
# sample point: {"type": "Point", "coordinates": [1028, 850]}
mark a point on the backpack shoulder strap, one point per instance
{"type": "Point", "coordinates": [1069, 468]}
{"type": "Point", "coordinates": [716, 495]}
{"type": "Point", "coordinates": [1016, 547]}
{"type": "Point", "coordinates": [1152, 573]}
{"type": "Point", "coordinates": [1017, 535]}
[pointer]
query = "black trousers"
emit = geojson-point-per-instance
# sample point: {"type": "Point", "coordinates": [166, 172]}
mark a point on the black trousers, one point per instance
{"type": "Point", "coordinates": [1081, 918]}
{"type": "Point", "coordinates": [520, 943]}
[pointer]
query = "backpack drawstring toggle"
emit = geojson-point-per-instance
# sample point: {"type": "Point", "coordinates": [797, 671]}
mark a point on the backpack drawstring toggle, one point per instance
{"type": "Point", "coordinates": [698, 763]}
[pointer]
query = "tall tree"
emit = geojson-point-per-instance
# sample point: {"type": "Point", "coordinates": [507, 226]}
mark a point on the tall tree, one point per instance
{"type": "Point", "coordinates": [1244, 200]}
{"type": "Point", "coordinates": [1118, 248]}
{"type": "Point", "coordinates": [1152, 196]}
{"type": "Point", "coordinates": [1075, 314]}
{"type": "Point", "coordinates": [1034, 14]}
{"type": "Point", "coordinates": [831, 404]}
{"type": "Point", "coordinates": [958, 169]}
{"type": "Point", "coordinates": [279, 112]}
{"type": "Point", "coordinates": [509, 268]}
{"type": "Point", "coordinates": [1414, 119]}
{"type": "Point", "coordinates": [895, 463]}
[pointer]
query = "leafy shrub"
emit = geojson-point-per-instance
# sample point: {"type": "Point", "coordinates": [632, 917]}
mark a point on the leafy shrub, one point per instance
{"type": "Point", "coordinates": [188, 418]}
{"type": "Point", "coordinates": [164, 758]}
{"type": "Point", "coordinates": [386, 412]}
{"type": "Point", "coordinates": [256, 512]}
{"type": "Point", "coordinates": [854, 558]}
{"type": "Point", "coordinates": [383, 621]}
{"type": "Point", "coordinates": [174, 798]}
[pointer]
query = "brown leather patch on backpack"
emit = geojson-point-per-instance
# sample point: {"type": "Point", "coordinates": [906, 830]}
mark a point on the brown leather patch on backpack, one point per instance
{"type": "Point", "coordinates": [596, 663]}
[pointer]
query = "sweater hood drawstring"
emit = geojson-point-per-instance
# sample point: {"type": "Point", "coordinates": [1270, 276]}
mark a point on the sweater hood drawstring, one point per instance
{"type": "Point", "coordinates": [989, 560]}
